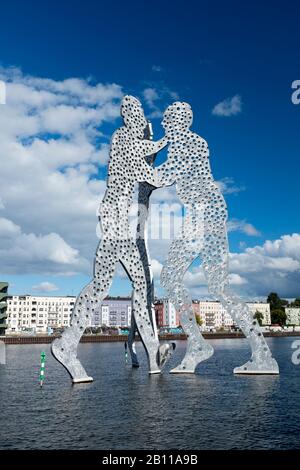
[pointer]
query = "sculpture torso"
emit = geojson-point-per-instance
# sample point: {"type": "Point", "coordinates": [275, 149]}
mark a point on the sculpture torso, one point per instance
{"type": "Point", "coordinates": [127, 166]}
{"type": "Point", "coordinates": [121, 175]}
{"type": "Point", "coordinates": [189, 168]}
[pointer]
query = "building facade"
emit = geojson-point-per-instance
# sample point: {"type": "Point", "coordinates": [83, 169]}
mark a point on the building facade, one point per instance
{"type": "Point", "coordinates": [165, 314]}
{"type": "Point", "coordinates": [159, 313]}
{"type": "Point", "coordinates": [3, 307]}
{"type": "Point", "coordinates": [171, 317]}
{"type": "Point", "coordinates": [212, 314]}
{"type": "Point", "coordinates": [26, 313]}
{"type": "Point", "coordinates": [38, 314]}
{"type": "Point", "coordinates": [198, 312]}
{"type": "Point", "coordinates": [292, 316]}
{"type": "Point", "coordinates": [112, 312]}
{"type": "Point", "coordinates": [263, 308]}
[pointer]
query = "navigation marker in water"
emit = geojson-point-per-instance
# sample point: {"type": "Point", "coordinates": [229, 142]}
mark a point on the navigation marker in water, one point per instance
{"type": "Point", "coordinates": [42, 372]}
{"type": "Point", "coordinates": [126, 354]}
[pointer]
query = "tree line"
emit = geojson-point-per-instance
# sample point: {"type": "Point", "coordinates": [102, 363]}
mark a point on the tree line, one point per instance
{"type": "Point", "coordinates": [277, 308]}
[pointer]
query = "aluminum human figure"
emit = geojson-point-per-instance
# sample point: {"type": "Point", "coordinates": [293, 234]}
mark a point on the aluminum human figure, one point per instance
{"type": "Point", "coordinates": [127, 166]}
{"type": "Point", "coordinates": [204, 235]}
{"type": "Point", "coordinates": [144, 193]}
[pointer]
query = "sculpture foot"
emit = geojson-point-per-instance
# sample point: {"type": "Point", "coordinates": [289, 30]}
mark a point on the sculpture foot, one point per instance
{"type": "Point", "coordinates": [154, 371]}
{"type": "Point", "coordinates": [153, 367]}
{"type": "Point", "coordinates": [134, 358]}
{"type": "Point", "coordinates": [134, 361]}
{"type": "Point", "coordinates": [182, 370]}
{"type": "Point", "coordinates": [60, 351]}
{"type": "Point", "coordinates": [253, 367]}
{"type": "Point", "coordinates": [189, 363]}
{"type": "Point", "coordinates": [165, 351]}
{"type": "Point", "coordinates": [82, 380]}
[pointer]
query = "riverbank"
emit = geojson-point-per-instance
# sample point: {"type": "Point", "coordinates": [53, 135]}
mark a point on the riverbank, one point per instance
{"type": "Point", "coordinates": [42, 339]}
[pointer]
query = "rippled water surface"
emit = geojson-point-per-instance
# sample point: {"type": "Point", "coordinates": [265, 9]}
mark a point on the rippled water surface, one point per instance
{"type": "Point", "coordinates": [126, 408]}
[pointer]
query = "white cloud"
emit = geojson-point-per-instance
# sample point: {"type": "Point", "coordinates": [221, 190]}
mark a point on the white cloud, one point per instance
{"type": "Point", "coordinates": [236, 279]}
{"type": "Point", "coordinates": [156, 68]}
{"type": "Point", "coordinates": [253, 273]}
{"type": "Point", "coordinates": [235, 225]}
{"type": "Point", "coordinates": [157, 98]}
{"type": "Point", "coordinates": [51, 148]}
{"type": "Point", "coordinates": [8, 228]}
{"type": "Point", "coordinates": [228, 107]}
{"type": "Point", "coordinates": [227, 185]}
{"type": "Point", "coordinates": [45, 287]}
{"type": "Point", "coordinates": [156, 267]}
{"type": "Point", "coordinates": [150, 95]}
{"type": "Point", "coordinates": [273, 266]}
{"type": "Point", "coordinates": [26, 253]}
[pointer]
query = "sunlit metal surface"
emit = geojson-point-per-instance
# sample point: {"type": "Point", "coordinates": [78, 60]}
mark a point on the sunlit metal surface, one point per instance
{"type": "Point", "coordinates": [127, 166]}
{"type": "Point", "coordinates": [204, 234]}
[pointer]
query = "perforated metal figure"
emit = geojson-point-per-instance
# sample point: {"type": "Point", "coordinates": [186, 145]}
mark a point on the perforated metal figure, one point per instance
{"type": "Point", "coordinates": [204, 235]}
{"type": "Point", "coordinates": [127, 166]}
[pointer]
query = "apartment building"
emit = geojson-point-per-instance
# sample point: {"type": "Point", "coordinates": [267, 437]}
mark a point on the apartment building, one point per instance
{"type": "Point", "coordinates": [212, 313]}
{"type": "Point", "coordinates": [3, 307]}
{"type": "Point", "coordinates": [38, 314]}
{"type": "Point", "coordinates": [113, 312]}
{"type": "Point", "coordinates": [292, 316]}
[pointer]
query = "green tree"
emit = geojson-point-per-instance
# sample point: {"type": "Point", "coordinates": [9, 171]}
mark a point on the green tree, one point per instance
{"type": "Point", "coordinates": [259, 317]}
{"type": "Point", "coordinates": [296, 302]}
{"type": "Point", "coordinates": [275, 302]}
{"type": "Point", "coordinates": [199, 320]}
{"type": "Point", "coordinates": [278, 317]}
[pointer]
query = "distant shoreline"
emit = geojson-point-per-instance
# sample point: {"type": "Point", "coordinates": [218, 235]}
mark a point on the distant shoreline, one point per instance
{"type": "Point", "coordinates": [43, 339]}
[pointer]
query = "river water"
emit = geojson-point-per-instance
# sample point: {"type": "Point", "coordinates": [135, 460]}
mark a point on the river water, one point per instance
{"type": "Point", "coordinates": [125, 408]}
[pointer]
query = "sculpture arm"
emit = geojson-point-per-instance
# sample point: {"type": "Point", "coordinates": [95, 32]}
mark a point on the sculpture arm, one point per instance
{"type": "Point", "coordinates": [165, 176]}
{"type": "Point", "coordinates": [148, 147]}
{"type": "Point", "coordinates": [145, 173]}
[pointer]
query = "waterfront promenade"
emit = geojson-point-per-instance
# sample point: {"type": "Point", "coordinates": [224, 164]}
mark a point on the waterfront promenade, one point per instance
{"type": "Point", "coordinates": [43, 339]}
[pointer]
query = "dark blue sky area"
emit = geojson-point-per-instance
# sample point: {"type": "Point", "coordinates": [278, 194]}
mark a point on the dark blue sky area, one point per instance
{"type": "Point", "coordinates": [207, 51]}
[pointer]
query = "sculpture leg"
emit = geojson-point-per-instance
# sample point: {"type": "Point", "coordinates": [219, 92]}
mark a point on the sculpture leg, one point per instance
{"type": "Point", "coordinates": [215, 264]}
{"type": "Point", "coordinates": [181, 255]}
{"type": "Point", "coordinates": [130, 259]}
{"type": "Point", "coordinates": [64, 349]}
{"type": "Point", "coordinates": [131, 343]}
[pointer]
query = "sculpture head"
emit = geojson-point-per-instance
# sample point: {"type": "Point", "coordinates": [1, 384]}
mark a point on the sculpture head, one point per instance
{"type": "Point", "coordinates": [177, 117]}
{"type": "Point", "coordinates": [133, 116]}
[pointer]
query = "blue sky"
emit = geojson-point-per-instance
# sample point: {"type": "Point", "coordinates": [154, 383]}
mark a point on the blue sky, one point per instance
{"type": "Point", "coordinates": [204, 53]}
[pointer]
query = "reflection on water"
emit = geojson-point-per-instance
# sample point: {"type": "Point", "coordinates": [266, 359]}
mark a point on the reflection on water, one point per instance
{"type": "Point", "coordinates": [125, 408]}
